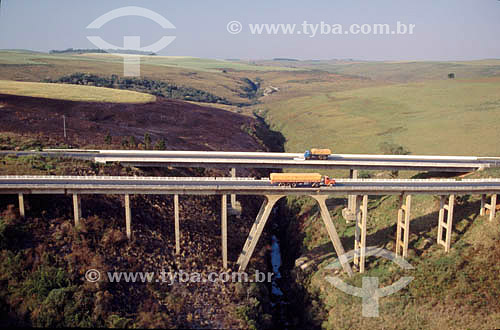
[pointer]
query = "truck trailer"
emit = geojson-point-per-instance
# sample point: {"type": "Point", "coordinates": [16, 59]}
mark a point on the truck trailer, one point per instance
{"type": "Point", "coordinates": [301, 179]}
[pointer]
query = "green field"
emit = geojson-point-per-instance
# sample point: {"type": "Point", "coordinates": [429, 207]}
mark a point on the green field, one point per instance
{"type": "Point", "coordinates": [403, 71]}
{"type": "Point", "coordinates": [448, 117]}
{"type": "Point", "coordinates": [185, 62]}
{"type": "Point", "coordinates": [73, 92]}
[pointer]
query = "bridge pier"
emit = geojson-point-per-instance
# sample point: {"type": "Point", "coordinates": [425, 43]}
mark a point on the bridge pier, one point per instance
{"type": "Point", "coordinates": [128, 216]}
{"type": "Point", "coordinates": [22, 212]}
{"type": "Point", "coordinates": [349, 213]}
{"type": "Point", "coordinates": [332, 232]}
{"type": "Point", "coordinates": [256, 231]}
{"type": "Point", "coordinates": [403, 227]}
{"type": "Point", "coordinates": [448, 224]}
{"type": "Point", "coordinates": [235, 206]}
{"type": "Point", "coordinates": [77, 209]}
{"type": "Point", "coordinates": [177, 225]}
{"type": "Point", "coordinates": [492, 206]}
{"type": "Point", "coordinates": [224, 231]}
{"type": "Point", "coordinates": [361, 209]}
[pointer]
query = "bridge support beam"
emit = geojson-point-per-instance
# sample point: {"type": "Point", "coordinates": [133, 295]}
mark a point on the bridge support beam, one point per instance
{"type": "Point", "coordinates": [492, 206]}
{"type": "Point", "coordinates": [22, 212]}
{"type": "Point", "coordinates": [224, 231]}
{"type": "Point", "coordinates": [361, 209]}
{"type": "Point", "coordinates": [332, 232]}
{"type": "Point", "coordinates": [256, 231]}
{"type": "Point", "coordinates": [445, 225]}
{"type": "Point", "coordinates": [128, 216]}
{"type": "Point", "coordinates": [77, 209]}
{"type": "Point", "coordinates": [403, 227]}
{"type": "Point", "coordinates": [349, 213]}
{"type": "Point", "coordinates": [177, 225]}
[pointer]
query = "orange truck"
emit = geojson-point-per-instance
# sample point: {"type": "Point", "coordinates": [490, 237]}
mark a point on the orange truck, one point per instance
{"type": "Point", "coordinates": [301, 179]}
{"type": "Point", "coordinates": [315, 153]}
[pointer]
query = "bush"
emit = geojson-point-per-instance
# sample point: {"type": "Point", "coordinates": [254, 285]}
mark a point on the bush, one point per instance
{"type": "Point", "coordinates": [389, 148]}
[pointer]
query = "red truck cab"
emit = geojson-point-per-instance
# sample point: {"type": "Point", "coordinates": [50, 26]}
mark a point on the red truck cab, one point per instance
{"type": "Point", "coordinates": [328, 182]}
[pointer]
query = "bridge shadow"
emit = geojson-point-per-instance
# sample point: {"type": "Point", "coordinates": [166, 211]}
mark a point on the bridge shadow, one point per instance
{"type": "Point", "coordinates": [423, 230]}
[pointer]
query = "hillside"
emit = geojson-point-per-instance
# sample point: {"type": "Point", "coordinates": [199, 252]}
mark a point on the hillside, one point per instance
{"type": "Point", "coordinates": [180, 125]}
{"type": "Point", "coordinates": [455, 290]}
{"type": "Point", "coordinates": [448, 117]}
{"type": "Point", "coordinates": [44, 258]}
{"type": "Point", "coordinates": [72, 92]}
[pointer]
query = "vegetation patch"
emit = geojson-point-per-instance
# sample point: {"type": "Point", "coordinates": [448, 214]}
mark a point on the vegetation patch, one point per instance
{"type": "Point", "coordinates": [72, 93]}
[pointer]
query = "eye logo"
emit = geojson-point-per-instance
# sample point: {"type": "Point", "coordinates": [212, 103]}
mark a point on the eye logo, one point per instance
{"type": "Point", "coordinates": [131, 63]}
{"type": "Point", "coordinates": [370, 292]}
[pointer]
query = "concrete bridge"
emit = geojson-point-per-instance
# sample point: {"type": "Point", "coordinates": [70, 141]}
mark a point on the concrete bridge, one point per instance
{"type": "Point", "coordinates": [359, 188]}
{"type": "Point", "coordinates": [274, 160]}
{"type": "Point", "coordinates": [271, 160]}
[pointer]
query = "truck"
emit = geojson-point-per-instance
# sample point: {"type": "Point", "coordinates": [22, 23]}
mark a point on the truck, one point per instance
{"type": "Point", "coordinates": [301, 179]}
{"type": "Point", "coordinates": [321, 154]}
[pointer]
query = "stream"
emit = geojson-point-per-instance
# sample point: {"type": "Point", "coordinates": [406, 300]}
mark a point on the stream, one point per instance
{"type": "Point", "coordinates": [279, 298]}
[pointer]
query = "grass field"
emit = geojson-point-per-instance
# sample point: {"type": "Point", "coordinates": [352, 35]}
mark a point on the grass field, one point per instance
{"type": "Point", "coordinates": [449, 117]}
{"type": "Point", "coordinates": [73, 92]}
{"type": "Point", "coordinates": [401, 72]}
{"type": "Point", "coordinates": [185, 62]}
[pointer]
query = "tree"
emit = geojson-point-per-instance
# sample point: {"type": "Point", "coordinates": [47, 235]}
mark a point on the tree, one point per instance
{"type": "Point", "coordinates": [131, 142]}
{"type": "Point", "coordinates": [389, 148]}
{"type": "Point", "coordinates": [147, 141]}
{"type": "Point", "coordinates": [124, 143]}
{"type": "Point", "coordinates": [161, 145]}
{"type": "Point", "coordinates": [108, 139]}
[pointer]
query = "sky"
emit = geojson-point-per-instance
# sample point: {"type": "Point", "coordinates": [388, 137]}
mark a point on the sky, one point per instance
{"type": "Point", "coordinates": [444, 29]}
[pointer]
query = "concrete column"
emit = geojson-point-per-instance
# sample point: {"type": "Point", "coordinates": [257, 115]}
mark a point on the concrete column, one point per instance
{"type": "Point", "coordinates": [483, 205]}
{"type": "Point", "coordinates": [256, 231]}
{"type": "Point", "coordinates": [350, 212]}
{"type": "Point", "coordinates": [360, 232]}
{"type": "Point", "coordinates": [22, 213]}
{"type": "Point", "coordinates": [357, 228]}
{"type": "Point", "coordinates": [77, 209]}
{"type": "Point", "coordinates": [403, 227]}
{"type": "Point", "coordinates": [177, 225]}
{"type": "Point", "coordinates": [449, 223]}
{"type": "Point", "coordinates": [128, 216]}
{"type": "Point", "coordinates": [224, 230]}
{"type": "Point", "coordinates": [332, 232]}
{"type": "Point", "coordinates": [233, 196]}
{"type": "Point", "coordinates": [493, 205]}
{"type": "Point", "coordinates": [445, 225]}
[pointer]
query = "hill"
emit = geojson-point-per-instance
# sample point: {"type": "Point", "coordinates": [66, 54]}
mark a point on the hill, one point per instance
{"type": "Point", "coordinates": [180, 125]}
{"type": "Point", "coordinates": [451, 117]}
{"type": "Point", "coordinates": [73, 92]}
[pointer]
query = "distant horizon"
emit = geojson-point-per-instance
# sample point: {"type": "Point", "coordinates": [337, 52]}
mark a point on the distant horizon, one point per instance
{"type": "Point", "coordinates": [284, 59]}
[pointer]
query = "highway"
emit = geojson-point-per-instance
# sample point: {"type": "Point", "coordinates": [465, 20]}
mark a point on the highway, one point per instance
{"type": "Point", "coordinates": [240, 186]}
{"type": "Point", "coordinates": [212, 159]}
